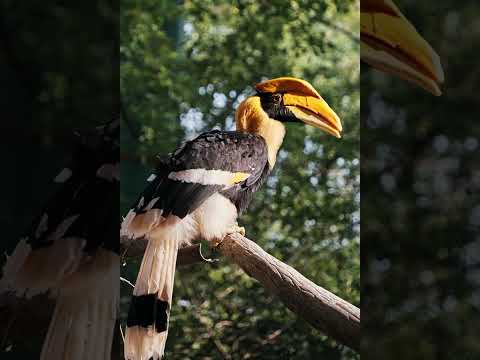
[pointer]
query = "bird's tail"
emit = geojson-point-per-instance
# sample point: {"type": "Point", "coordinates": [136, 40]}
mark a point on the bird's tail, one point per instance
{"type": "Point", "coordinates": [84, 318]}
{"type": "Point", "coordinates": [32, 271]}
{"type": "Point", "coordinates": [147, 323]}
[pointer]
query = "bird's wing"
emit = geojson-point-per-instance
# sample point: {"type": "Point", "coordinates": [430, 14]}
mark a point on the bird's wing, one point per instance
{"type": "Point", "coordinates": [87, 191]}
{"type": "Point", "coordinates": [77, 222]}
{"type": "Point", "coordinates": [213, 162]}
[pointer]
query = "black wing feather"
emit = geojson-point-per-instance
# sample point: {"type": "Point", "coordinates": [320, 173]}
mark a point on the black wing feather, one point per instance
{"type": "Point", "coordinates": [85, 194]}
{"type": "Point", "coordinates": [215, 150]}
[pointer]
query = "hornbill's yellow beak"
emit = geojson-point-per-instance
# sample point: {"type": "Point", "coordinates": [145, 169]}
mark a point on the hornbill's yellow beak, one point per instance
{"type": "Point", "coordinates": [306, 104]}
{"type": "Point", "coordinates": [390, 43]}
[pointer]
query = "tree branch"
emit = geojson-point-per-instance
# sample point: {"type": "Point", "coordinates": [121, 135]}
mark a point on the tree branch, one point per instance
{"type": "Point", "coordinates": [135, 248]}
{"type": "Point", "coordinates": [338, 28]}
{"type": "Point", "coordinates": [320, 308]}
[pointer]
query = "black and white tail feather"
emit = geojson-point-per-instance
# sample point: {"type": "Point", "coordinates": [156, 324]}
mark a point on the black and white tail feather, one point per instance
{"type": "Point", "coordinates": [147, 324]}
{"type": "Point", "coordinates": [71, 252]}
{"type": "Point", "coordinates": [196, 193]}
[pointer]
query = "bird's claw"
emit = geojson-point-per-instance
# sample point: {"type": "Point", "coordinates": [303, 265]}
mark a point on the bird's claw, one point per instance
{"type": "Point", "coordinates": [235, 229]}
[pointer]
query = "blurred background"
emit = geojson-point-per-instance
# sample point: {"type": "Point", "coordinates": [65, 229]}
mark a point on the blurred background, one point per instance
{"type": "Point", "coordinates": [58, 75]}
{"type": "Point", "coordinates": [420, 174]}
{"type": "Point", "coordinates": [185, 73]}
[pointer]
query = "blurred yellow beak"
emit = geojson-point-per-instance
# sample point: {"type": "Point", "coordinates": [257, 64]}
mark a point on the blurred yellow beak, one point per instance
{"type": "Point", "coordinates": [301, 98]}
{"type": "Point", "coordinates": [391, 44]}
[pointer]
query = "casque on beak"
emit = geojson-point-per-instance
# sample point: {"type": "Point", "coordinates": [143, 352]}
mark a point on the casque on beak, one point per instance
{"type": "Point", "coordinates": [305, 103]}
{"type": "Point", "coordinates": [391, 44]}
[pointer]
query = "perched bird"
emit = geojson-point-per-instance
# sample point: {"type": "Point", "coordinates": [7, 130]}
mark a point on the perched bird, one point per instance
{"type": "Point", "coordinates": [199, 191]}
{"type": "Point", "coordinates": [71, 252]}
{"type": "Point", "coordinates": [391, 44]}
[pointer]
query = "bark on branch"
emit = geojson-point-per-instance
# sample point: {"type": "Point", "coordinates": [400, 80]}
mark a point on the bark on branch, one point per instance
{"type": "Point", "coordinates": [320, 308]}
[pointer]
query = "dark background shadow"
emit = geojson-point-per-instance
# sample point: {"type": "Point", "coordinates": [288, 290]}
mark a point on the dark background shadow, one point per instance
{"type": "Point", "coordinates": [58, 74]}
{"type": "Point", "coordinates": [420, 175]}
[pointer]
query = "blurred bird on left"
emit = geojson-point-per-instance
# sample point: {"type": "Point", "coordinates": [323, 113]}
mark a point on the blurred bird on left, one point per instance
{"type": "Point", "coordinates": [71, 251]}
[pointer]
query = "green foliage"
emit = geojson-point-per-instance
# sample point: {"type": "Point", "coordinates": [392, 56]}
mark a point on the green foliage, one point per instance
{"type": "Point", "coordinates": [185, 73]}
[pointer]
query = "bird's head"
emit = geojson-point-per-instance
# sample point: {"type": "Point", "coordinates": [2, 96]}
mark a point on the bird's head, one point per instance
{"type": "Point", "coordinates": [281, 100]}
{"type": "Point", "coordinates": [391, 44]}
{"type": "Point", "coordinates": [287, 99]}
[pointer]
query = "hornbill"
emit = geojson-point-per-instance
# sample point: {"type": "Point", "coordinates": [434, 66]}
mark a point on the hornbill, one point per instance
{"type": "Point", "coordinates": [391, 44]}
{"type": "Point", "coordinates": [201, 189]}
{"type": "Point", "coordinates": [71, 251]}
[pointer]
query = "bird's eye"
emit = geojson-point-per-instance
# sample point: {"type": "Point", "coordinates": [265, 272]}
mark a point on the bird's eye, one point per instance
{"type": "Point", "coordinates": [277, 97]}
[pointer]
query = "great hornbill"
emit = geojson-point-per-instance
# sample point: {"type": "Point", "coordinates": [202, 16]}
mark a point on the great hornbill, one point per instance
{"type": "Point", "coordinates": [201, 189]}
{"type": "Point", "coordinates": [391, 44]}
{"type": "Point", "coordinates": [71, 251]}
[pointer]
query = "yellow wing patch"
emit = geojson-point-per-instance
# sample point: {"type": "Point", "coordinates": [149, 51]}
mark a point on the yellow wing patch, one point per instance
{"type": "Point", "coordinates": [238, 178]}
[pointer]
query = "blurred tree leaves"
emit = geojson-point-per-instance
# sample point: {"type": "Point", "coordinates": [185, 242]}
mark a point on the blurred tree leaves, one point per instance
{"type": "Point", "coordinates": [184, 69]}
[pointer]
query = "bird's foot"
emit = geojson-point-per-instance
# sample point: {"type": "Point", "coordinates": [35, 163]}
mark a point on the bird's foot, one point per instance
{"type": "Point", "coordinates": [235, 229]}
